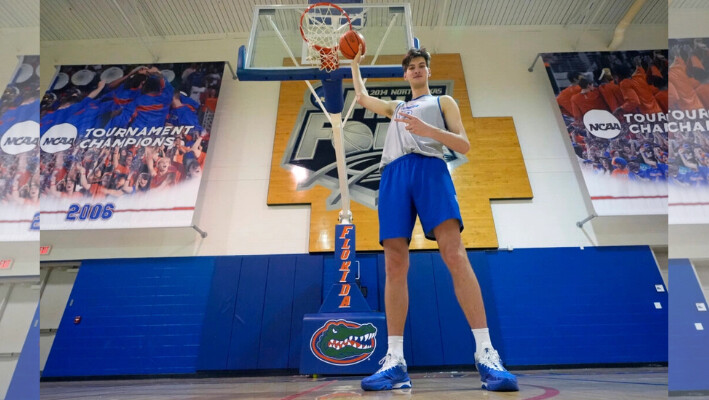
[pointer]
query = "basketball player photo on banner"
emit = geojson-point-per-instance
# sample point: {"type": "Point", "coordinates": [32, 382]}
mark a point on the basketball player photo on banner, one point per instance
{"type": "Point", "coordinates": [124, 146]}
{"type": "Point", "coordinates": [614, 106]}
{"type": "Point", "coordinates": [689, 131]}
{"type": "Point", "coordinates": [19, 154]}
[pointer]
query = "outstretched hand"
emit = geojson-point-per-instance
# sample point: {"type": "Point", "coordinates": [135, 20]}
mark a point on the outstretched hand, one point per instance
{"type": "Point", "coordinates": [415, 125]}
{"type": "Point", "coordinates": [358, 57]}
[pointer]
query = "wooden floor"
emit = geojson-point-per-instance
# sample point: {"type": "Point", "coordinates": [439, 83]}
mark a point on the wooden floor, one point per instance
{"type": "Point", "coordinates": [579, 384]}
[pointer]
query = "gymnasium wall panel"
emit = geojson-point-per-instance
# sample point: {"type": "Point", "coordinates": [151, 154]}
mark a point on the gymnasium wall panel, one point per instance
{"type": "Point", "coordinates": [133, 317]}
{"type": "Point", "coordinates": [551, 306]}
{"type": "Point", "coordinates": [689, 331]}
{"type": "Point", "coordinates": [568, 306]}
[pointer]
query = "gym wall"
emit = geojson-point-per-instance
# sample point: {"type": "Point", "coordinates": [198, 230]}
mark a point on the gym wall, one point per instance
{"type": "Point", "coordinates": [232, 207]}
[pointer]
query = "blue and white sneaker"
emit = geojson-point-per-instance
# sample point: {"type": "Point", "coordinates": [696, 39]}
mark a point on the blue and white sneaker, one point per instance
{"type": "Point", "coordinates": [392, 375]}
{"type": "Point", "coordinates": [493, 375]}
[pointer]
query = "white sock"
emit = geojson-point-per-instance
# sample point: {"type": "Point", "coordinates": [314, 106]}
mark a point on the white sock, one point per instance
{"type": "Point", "coordinates": [396, 346]}
{"type": "Point", "coordinates": [482, 339]}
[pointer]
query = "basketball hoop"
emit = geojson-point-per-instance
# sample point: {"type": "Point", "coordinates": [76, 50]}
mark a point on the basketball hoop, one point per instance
{"type": "Point", "coordinates": [321, 26]}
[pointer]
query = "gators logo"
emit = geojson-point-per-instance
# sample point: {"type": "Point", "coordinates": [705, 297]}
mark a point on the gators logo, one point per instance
{"type": "Point", "coordinates": [341, 342]}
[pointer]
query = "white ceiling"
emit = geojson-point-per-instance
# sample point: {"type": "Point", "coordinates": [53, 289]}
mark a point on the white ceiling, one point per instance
{"type": "Point", "coordinates": [19, 14]}
{"type": "Point", "coordinates": [104, 19]}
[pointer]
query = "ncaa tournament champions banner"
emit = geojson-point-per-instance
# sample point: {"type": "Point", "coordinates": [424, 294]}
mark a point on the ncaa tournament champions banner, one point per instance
{"type": "Point", "coordinates": [689, 131]}
{"type": "Point", "coordinates": [124, 146]}
{"type": "Point", "coordinates": [614, 106]}
{"type": "Point", "coordinates": [19, 154]}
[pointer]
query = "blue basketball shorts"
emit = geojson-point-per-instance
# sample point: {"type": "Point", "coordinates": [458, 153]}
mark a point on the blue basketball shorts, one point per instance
{"type": "Point", "coordinates": [415, 184]}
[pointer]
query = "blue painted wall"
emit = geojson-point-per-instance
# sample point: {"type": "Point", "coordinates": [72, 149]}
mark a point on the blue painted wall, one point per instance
{"type": "Point", "coordinates": [138, 316]}
{"type": "Point", "coordinates": [689, 347]}
{"type": "Point", "coordinates": [555, 306]}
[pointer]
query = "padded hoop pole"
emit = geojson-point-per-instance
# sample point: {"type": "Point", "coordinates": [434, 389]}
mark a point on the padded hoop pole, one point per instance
{"type": "Point", "coordinates": [334, 101]}
{"type": "Point", "coordinates": [338, 144]}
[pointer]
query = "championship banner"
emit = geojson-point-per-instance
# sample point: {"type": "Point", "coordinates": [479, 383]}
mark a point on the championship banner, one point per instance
{"type": "Point", "coordinates": [614, 106]}
{"type": "Point", "coordinates": [689, 131]}
{"type": "Point", "coordinates": [124, 146]}
{"type": "Point", "coordinates": [19, 154]}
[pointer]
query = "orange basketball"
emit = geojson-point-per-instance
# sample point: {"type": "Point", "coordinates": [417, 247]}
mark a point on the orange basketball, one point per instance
{"type": "Point", "coordinates": [349, 44]}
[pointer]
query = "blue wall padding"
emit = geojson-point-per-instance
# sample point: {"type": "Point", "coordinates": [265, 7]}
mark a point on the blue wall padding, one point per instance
{"type": "Point", "coordinates": [24, 384]}
{"type": "Point", "coordinates": [552, 306]}
{"type": "Point", "coordinates": [424, 313]}
{"type": "Point", "coordinates": [139, 316]}
{"type": "Point", "coordinates": [689, 347]}
{"type": "Point", "coordinates": [456, 337]}
{"type": "Point", "coordinates": [277, 310]}
{"type": "Point", "coordinates": [573, 306]}
{"type": "Point", "coordinates": [219, 314]}
{"type": "Point", "coordinates": [248, 314]}
{"type": "Point", "coordinates": [307, 297]}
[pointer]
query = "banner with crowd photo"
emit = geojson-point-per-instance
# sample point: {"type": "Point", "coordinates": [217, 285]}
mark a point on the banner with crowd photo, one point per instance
{"type": "Point", "coordinates": [124, 146]}
{"type": "Point", "coordinates": [689, 131]}
{"type": "Point", "coordinates": [614, 106]}
{"type": "Point", "coordinates": [19, 154]}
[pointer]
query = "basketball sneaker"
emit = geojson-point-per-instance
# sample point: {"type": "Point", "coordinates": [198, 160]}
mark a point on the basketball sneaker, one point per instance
{"type": "Point", "coordinates": [392, 375]}
{"type": "Point", "coordinates": [493, 375]}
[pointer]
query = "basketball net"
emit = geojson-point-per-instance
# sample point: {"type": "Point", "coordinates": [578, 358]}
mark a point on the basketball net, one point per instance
{"type": "Point", "coordinates": [321, 26]}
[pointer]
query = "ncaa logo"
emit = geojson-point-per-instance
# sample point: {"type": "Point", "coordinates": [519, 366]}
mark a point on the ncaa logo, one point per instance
{"type": "Point", "coordinates": [602, 124]}
{"type": "Point", "coordinates": [58, 138]}
{"type": "Point", "coordinates": [20, 138]}
{"type": "Point", "coordinates": [343, 343]}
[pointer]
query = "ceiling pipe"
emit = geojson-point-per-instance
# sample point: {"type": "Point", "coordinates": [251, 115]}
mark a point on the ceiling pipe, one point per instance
{"type": "Point", "coordinates": [619, 34]}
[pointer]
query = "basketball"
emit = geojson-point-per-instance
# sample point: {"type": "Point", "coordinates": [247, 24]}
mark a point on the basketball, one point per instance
{"type": "Point", "coordinates": [349, 44]}
{"type": "Point", "coordinates": [357, 137]}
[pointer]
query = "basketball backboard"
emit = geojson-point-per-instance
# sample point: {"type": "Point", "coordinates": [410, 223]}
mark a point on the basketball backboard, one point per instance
{"type": "Point", "coordinates": [275, 36]}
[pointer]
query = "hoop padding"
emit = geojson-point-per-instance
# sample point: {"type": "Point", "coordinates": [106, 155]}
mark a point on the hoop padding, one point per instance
{"type": "Point", "coordinates": [321, 26]}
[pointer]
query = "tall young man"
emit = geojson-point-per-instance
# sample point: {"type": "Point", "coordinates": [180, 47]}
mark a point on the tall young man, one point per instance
{"type": "Point", "coordinates": [415, 180]}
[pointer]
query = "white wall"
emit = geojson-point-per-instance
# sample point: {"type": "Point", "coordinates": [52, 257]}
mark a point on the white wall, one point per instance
{"type": "Point", "coordinates": [702, 268]}
{"type": "Point", "coordinates": [688, 22]}
{"type": "Point", "coordinates": [15, 322]}
{"type": "Point", "coordinates": [15, 42]}
{"type": "Point", "coordinates": [233, 207]}
{"type": "Point", "coordinates": [23, 297]}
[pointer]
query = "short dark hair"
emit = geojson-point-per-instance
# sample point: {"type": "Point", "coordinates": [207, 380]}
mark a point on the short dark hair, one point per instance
{"type": "Point", "coordinates": [573, 76]}
{"type": "Point", "coordinates": [413, 53]}
{"type": "Point", "coordinates": [135, 80]}
{"type": "Point", "coordinates": [152, 85]}
{"type": "Point", "coordinates": [623, 71]}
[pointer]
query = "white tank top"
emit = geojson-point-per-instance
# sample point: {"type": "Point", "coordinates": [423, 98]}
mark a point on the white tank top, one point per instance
{"type": "Point", "coordinates": [400, 142]}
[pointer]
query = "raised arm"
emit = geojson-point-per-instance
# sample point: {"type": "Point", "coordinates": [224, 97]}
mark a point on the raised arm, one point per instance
{"type": "Point", "coordinates": [377, 106]}
{"type": "Point", "coordinates": [99, 88]}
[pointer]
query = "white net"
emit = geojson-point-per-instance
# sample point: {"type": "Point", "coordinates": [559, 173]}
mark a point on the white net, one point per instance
{"type": "Point", "coordinates": [321, 26]}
